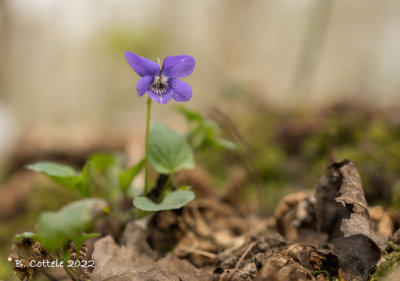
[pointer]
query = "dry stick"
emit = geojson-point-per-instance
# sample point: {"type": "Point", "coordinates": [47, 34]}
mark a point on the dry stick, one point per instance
{"type": "Point", "coordinates": [202, 253]}
{"type": "Point", "coordinates": [199, 218]}
{"type": "Point", "coordinates": [197, 215]}
{"type": "Point", "coordinates": [230, 275]}
{"type": "Point", "coordinates": [193, 250]}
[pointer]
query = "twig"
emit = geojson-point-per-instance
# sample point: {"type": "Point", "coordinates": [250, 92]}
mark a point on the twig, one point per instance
{"type": "Point", "coordinates": [230, 275]}
{"type": "Point", "coordinates": [202, 253]}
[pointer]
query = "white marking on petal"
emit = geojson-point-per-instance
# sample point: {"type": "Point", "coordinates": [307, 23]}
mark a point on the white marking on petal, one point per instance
{"type": "Point", "coordinates": [160, 85]}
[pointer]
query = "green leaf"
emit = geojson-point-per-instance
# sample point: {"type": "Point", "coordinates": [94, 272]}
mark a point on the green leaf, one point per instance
{"type": "Point", "coordinates": [83, 182]}
{"type": "Point", "coordinates": [174, 200]}
{"type": "Point", "coordinates": [53, 169]}
{"type": "Point", "coordinates": [65, 175]}
{"type": "Point", "coordinates": [168, 151]}
{"type": "Point", "coordinates": [102, 162]}
{"type": "Point", "coordinates": [54, 229]}
{"type": "Point", "coordinates": [103, 175]}
{"type": "Point", "coordinates": [126, 177]}
{"type": "Point", "coordinates": [204, 133]}
{"type": "Point", "coordinates": [25, 235]}
{"type": "Point", "coordinates": [62, 174]}
{"type": "Point", "coordinates": [226, 144]}
{"type": "Point", "coordinates": [190, 115]}
{"type": "Point", "coordinates": [82, 238]}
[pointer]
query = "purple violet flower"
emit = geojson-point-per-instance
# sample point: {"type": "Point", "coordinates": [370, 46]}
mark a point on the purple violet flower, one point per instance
{"type": "Point", "coordinates": [161, 84]}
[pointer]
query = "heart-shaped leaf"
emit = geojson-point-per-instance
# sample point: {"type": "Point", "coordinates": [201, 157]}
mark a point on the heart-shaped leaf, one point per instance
{"type": "Point", "coordinates": [173, 200]}
{"type": "Point", "coordinates": [168, 151]}
{"type": "Point", "coordinates": [54, 229]}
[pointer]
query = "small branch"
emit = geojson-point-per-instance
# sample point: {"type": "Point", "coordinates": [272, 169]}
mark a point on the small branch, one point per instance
{"type": "Point", "coordinates": [230, 276]}
{"type": "Point", "coordinates": [202, 253]}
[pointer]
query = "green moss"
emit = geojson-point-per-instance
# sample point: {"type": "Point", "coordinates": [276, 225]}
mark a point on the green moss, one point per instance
{"type": "Point", "coordinates": [326, 274]}
{"type": "Point", "coordinates": [290, 149]}
{"type": "Point", "coordinates": [392, 261]}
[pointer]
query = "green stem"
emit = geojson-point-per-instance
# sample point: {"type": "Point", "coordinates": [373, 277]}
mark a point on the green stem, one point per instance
{"type": "Point", "coordinates": [146, 157]}
{"type": "Point", "coordinates": [69, 272]}
{"type": "Point", "coordinates": [168, 184]}
{"type": "Point", "coordinates": [167, 187]}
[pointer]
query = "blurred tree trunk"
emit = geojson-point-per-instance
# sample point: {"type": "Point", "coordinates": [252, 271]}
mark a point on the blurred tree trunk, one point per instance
{"type": "Point", "coordinates": [372, 75]}
{"type": "Point", "coordinates": [5, 44]}
{"type": "Point", "coordinates": [311, 49]}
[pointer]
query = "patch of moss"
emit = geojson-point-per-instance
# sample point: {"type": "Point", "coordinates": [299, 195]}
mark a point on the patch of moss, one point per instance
{"type": "Point", "coordinates": [290, 149]}
{"type": "Point", "coordinates": [391, 256]}
{"type": "Point", "coordinates": [326, 274]}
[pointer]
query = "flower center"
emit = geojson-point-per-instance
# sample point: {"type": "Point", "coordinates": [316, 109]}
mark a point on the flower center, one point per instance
{"type": "Point", "coordinates": [159, 85]}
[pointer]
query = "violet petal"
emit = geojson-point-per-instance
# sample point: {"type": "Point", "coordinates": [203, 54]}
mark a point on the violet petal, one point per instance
{"type": "Point", "coordinates": [161, 99]}
{"type": "Point", "coordinates": [178, 66]}
{"type": "Point", "coordinates": [142, 66]}
{"type": "Point", "coordinates": [143, 84]}
{"type": "Point", "coordinates": [181, 90]}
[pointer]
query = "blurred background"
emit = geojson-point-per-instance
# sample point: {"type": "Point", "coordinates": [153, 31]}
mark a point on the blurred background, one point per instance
{"type": "Point", "coordinates": [63, 61]}
{"type": "Point", "coordinates": [298, 83]}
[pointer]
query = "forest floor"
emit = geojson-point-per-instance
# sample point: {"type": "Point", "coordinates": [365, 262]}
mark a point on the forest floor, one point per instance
{"type": "Point", "coordinates": [331, 233]}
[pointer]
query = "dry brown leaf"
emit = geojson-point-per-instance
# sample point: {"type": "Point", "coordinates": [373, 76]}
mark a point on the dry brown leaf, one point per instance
{"type": "Point", "coordinates": [136, 261]}
{"type": "Point", "coordinates": [342, 212]}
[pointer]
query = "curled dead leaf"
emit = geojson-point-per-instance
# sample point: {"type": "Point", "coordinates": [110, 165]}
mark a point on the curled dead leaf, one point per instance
{"type": "Point", "coordinates": [342, 213]}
